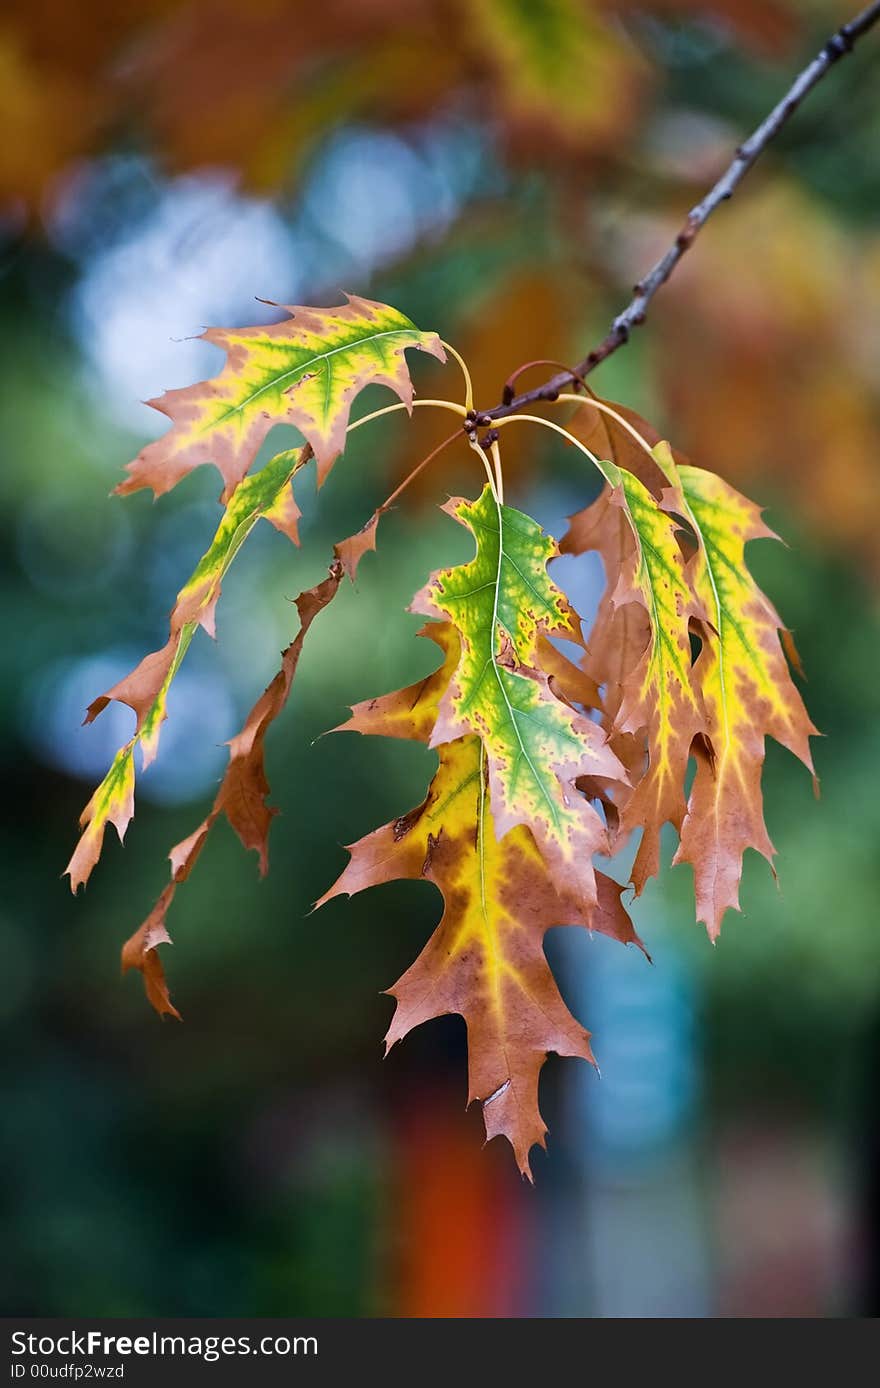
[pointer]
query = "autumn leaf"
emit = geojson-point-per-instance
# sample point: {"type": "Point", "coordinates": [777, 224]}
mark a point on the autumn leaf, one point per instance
{"type": "Point", "coordinates": [351, 551]}
{"type": "Point", "coordinates": [241, 798]}
{"type": "Point", "coordinates": [567, 681]}
{"type": "Point", "coordinates": [536, 745]}
{"type": "Point", "coordinates": [245, 788]}
{"type": "Point", "coordinates": [410, 713]}
{"type": "Point", "coordinates": [655, 693]}
{"type": "Point", "coordinates": [485, 961]}
{"type": "Point", "coordinates": [621, 631]}
{"type": "Point", "coordinates": [305, 371]}
{"type": "Point", "coordinates": [112, 803]}
{"type": "Point", "coordinates": [745, 687]}
{"type": "Point", "coordinates": [267, 495]}
{"type": "Point", "coordinates": [622, 438]}
{"type": "Point", "coordinates": [719, 710]}
{"type": "Point", "coordinates": [141, 952]}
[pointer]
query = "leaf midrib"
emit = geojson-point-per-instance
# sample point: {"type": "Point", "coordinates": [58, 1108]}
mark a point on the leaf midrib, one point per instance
{"type": "Point", "coordinates": [510, 711]}
{"type": "Point", "coordinates": [322, 357]}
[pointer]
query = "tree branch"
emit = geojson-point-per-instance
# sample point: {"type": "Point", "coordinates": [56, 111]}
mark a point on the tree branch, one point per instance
{"type": "Point", "coordinates": [838, 46]}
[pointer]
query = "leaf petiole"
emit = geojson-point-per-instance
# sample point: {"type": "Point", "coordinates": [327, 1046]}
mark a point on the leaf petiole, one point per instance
{"type": "Point", "coordinates": [468, 383]}
{"type": "Point", "coordinates": [415, 404]}
{"type": "Point", "coordinates": [567, 398]}
{"type": "Point", "coordinates": [608, 470]}
{"type": "Point", "coordinates": [499, 475]}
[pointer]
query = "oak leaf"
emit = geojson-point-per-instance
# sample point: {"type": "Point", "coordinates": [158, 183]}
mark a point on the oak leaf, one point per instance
{"type": "Point", "coordinates": [305, 371]}
{"type": "Point", "coordinates": [140, 952]}
{"type": "Point", "coordinates": [244, 788]}
{"type": "Point", "coordinates": [745, 687]}
{"type": "Point", "coordinates": [654, 692]}
{"type": "Point", "coordinates": [267, 495]}
{"type": "Point", "coordinates": [536, 744]}
{"type": "Point", "coordinates": [485, 960]}
{"type": "Point", "coordinates": [351, 551]}
{"type": "Point", "coordinates": [241, 798]}
{"type": "Point", "coordinates": [111, 803]}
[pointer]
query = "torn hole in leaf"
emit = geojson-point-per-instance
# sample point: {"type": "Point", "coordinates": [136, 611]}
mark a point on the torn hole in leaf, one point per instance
{"type": "Point", "coordinates": [496, 1094]}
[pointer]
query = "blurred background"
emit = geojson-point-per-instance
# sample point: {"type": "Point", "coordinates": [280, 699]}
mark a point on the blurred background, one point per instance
{"type": "Point", "coordinates": [502, 171]}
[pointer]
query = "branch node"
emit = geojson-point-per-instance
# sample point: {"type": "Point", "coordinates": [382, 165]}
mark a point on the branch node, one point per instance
{"type": "Point", "coordinates": [839, 45]}
{"type": "Point", "coordinates": [685, 237]}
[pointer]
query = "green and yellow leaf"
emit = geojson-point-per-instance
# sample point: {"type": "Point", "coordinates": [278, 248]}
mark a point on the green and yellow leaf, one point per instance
{"type": "Point", "coordinates": [649, 652]}
{"type": "Point", "coordinates": [112, 803]}
{"type": "Point", "coordinates": [536, 744]}
{"type": "Point", "coordinates": [242, 798]}
{"type": "Point", "coordinates": [410, 713]}
{"type": "Point", "coordinates": [266, 495]}
{"type": "Point", "coordinates": [305, 371]}
{"type": "Point", "coordinates": [485, 960]}
{"type": "Point", "coordinates": [746, 689]}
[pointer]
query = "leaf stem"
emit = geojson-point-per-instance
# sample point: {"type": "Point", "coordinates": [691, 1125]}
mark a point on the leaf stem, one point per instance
{"type": "Point", "coordinates": [607, 469]}
{"type": "Point", "coordinates": [499, 474]}
{"type": "Point", "coordinates": [581, 400]}
{"type": "Point", "coordinates": [400, 405]}
{"type": "Point", "coordinates": [438, 404]}
{"type": "Point", "coordinates": [468, 383]}
{"type": "Point", "coordinates": [386, 505]}
{"type": "Point", "coordinates": [490, 475]}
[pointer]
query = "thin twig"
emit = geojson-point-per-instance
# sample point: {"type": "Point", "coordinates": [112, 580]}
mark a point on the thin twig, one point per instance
{"type": "Point", "coordinates": [635, 312]}
{"type": "Point", "coordinates": [411, 477]}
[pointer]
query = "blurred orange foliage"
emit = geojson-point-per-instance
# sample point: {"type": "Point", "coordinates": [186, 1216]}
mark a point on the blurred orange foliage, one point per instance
{"type": "Point", "coordinates": [215, 82]}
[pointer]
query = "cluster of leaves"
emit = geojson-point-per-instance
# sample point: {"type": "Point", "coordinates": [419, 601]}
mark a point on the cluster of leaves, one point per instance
{"type": "Point", "coordinates": [544, 761]}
